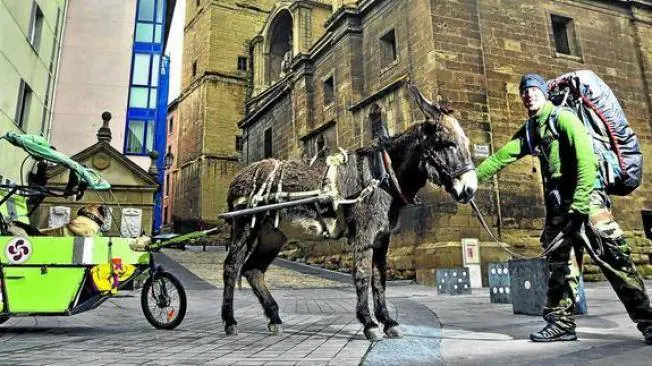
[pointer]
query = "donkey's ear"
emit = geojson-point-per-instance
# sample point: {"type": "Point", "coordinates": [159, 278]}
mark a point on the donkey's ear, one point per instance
{"type": "Point", "coordinates": [429, 108]}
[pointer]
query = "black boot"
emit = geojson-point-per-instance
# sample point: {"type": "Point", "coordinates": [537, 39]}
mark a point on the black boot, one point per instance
{"type": "Point", "coordinates": [553, 333]}
{"type": "Point", "coordinates": [646, 329]}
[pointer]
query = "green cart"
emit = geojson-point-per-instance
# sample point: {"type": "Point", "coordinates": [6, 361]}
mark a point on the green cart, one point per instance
{"type": "Point", "coordinates": [59, 276]}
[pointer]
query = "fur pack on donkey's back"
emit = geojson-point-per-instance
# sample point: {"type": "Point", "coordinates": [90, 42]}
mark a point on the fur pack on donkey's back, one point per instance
{"type": "Point", "coordinates": [357, 195]}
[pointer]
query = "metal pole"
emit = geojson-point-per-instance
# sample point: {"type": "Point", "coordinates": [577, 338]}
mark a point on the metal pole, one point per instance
{"type": "Point", "coordinates": [275, 206]}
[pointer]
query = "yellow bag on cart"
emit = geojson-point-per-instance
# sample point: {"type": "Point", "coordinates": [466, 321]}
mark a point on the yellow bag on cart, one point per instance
{"type": "Point", "coordinates": [107, 280]}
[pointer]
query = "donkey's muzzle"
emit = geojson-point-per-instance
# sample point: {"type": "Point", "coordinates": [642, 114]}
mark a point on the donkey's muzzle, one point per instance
{"type": "Point", "coordinates": [465, 186]}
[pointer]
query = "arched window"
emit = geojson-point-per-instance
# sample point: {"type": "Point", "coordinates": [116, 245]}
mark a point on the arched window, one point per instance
{"type": "Point", "coordinates": [280, 46]}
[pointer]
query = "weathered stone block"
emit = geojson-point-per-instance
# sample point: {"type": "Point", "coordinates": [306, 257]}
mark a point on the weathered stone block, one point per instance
{"type": "Point", "coordinates": [529, 287]}
{"type": "Point", "coordinates": [499, 283]}
{"type": "Point", "coordinates": [453, 281]}
{"type": "Point", "coordinates": [529, 283]}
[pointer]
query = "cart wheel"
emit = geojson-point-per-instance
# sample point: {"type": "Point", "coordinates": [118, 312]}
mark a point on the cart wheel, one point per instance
{"type": "Point", "coordinates": [163, 300]}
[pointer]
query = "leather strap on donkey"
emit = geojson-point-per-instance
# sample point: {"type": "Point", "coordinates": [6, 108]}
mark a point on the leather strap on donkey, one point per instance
{"type": "Point", "coordinates": [382, 163]}
{"type": "Point", "coordinates": [387, 162]}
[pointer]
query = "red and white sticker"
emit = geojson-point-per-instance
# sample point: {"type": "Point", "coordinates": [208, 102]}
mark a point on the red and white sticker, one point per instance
{"type": "Point", "coordinates": [18, 250]}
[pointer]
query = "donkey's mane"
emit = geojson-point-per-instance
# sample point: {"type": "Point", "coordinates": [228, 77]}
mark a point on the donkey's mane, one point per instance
{"type": "Point", "coordinates": [406, 140]}
{"type": "Point", "coordinates": [408, 137]}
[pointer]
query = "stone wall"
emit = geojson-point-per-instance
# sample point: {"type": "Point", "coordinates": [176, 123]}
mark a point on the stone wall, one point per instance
{"type": "Point", "coordinates": [472, 54]}
{"type": "Point", "coordinates": [211, 104]}
{"type": "Point", "coordinates": [279, 119]}
{"type": "Point", "coordinates": [485, 47]}
{"type": "Point", "coordinates": [122, 198]}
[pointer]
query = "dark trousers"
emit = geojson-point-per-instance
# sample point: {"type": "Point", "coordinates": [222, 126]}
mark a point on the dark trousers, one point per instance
{"type": "Point", "coordinates": [615, 262]}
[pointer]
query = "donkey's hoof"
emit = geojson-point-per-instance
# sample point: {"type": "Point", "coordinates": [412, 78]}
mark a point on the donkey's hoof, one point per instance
{"type": "Point", "coordinates": [231, 329]}
{"type": "Point", "coordinates": [373, 334]}
{"type": "Point", "coordinates": [394, 332]}
{"type": "Point", "coordinates": [275, 328]}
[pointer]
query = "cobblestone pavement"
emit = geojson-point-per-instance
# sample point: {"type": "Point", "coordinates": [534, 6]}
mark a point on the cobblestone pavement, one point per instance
{"type": "Point", "coordinates": [318, 331]}
{"type": "Point", "coordinates": [208, 266]}
{"type": "Point", "coordinates": [320, 327]}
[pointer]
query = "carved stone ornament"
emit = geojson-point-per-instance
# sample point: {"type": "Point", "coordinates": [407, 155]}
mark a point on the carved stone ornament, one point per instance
{"type": "Point", "coordinates": [101, 161]}
{"type": "Point", "coordinates": [59, 216]}
{"type": "Point", "coordinates": [131, 222]}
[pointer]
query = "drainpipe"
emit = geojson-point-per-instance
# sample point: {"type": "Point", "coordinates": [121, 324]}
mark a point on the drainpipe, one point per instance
{"type": "Point", "coordinates": [55, 77]}
{"type": "Point", "coordinates": [160, 140]}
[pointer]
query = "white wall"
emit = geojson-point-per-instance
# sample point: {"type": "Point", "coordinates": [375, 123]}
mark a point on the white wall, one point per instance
{"type": "Point", "coordinates": [94, 73]}
{"type": "Point", "coordinates": [19, 60]}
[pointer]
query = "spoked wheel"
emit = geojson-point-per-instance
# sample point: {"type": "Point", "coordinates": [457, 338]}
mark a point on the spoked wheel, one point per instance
{"type": "Point", "coordinates": [163, 300]}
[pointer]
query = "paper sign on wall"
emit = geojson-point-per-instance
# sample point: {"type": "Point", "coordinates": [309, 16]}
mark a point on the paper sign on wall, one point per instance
{"type": "Point", "coordinates": [480, 150]}
{"type": "Point", "coordinates": [471, 251]}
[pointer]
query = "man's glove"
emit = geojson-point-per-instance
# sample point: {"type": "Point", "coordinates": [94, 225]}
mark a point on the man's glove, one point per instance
{"type": "Point", "coordinates": [574, 221]}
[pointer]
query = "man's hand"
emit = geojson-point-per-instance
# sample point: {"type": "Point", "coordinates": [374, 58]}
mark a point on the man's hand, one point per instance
{"type": "Point", "coordinates": [574, 221]}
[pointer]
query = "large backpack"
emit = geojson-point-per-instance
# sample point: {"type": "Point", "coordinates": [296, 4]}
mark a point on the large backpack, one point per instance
{"type": "Point", "coordinates": [614, 142]}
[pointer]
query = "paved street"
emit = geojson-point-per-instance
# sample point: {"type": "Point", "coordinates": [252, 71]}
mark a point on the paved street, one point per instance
{"type": "Point", "coordinates": [320, 329]}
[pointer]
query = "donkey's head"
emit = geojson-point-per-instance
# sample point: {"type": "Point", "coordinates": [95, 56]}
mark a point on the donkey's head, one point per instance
{"type": "Point", "coordinates": [444, 153]}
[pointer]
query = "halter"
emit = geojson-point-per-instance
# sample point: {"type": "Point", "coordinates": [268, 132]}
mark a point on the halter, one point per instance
{"type": "Point", "coordinates": [448, 174]}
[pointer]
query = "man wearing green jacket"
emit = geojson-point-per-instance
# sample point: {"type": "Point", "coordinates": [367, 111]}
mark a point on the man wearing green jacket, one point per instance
{"type": "Point", "coordinates": [574, 195]}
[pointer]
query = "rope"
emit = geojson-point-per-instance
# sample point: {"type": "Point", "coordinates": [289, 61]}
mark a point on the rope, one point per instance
{"type": "Point", "coordinates": [279, 190]}
{"type": "Point", "coordinates": [113, 220]}
{"type": "Point", "coordinates": [555, 243]}
{"type": "Point", "coordinates": [259, 197]}
{"type": "Point", "coordinates": [503, 246]}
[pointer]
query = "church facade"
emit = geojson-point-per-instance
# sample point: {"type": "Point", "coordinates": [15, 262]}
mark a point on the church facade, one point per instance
{"type": "Point", "coordinates": [315, 68]}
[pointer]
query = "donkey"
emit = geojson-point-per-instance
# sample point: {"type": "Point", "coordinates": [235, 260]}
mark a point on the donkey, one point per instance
{"type": "Point", "coordinates": [435, 151]}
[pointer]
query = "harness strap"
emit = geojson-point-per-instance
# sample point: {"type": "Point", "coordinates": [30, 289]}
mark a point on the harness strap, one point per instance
{"type": "Point", "coordinates": [528, 135]}
{"type": "Point", "coordinates": [393, 180]}
{"type": "Point", "coordinates": [449, 174]}
{"type": "Point", "coordinates": [314, 158]}
{"type": "Point", "coordinates": [279, 190]}
{"type": "Point", "coordinates": [330, 176]}
{"type": "Point", "coordinates": [267, 184]}
{"type": "Point", "coordinates": [530, 129]}
{"type": "Point", "coordinates": [552, 122]}
{"type": "Point", "coordinates": [253, 189]}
